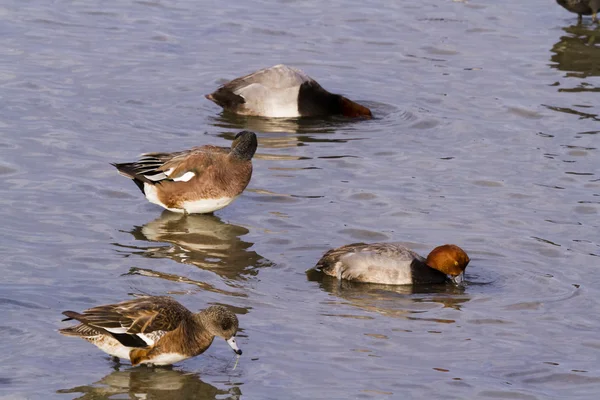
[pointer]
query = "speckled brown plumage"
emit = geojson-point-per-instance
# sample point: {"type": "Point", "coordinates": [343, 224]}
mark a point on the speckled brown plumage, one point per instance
{"type": "Point", "coordinates": [146, 328]}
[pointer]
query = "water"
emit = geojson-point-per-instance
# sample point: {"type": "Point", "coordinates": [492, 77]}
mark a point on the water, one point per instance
{"type": "Point", "coordinates": [486, 135]}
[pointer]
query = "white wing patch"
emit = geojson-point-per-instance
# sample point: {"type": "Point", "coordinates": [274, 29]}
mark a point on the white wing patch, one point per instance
{"type": "Point", "coordinates": [151, 338]}
{"type": "Point", "coordinates": [156, 177]}
{"type": "Point", "coordinates": [185, 177]}
{"type": "Point", "coordinates": [117, 330]}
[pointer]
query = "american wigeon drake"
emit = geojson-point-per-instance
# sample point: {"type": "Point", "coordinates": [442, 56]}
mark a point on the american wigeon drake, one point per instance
{"type": "Point", "coordinates": [199, 180]}
{"type": "Point", "coordinates": [394, 264]}
{"type": "Point", "coordinates": [283, 92]}
{"type": "Point", "coordinates": [153, 330]}
{"type": "Point", "coordinates": [582, 7]}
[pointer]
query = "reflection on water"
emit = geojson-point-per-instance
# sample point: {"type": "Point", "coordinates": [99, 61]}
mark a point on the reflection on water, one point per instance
{"type": "Point", "coordinates": [578, 53]}
{"type": "Point", "coordinates": [284, 125]}
{"type": "Point", "coordinates": [460, 151]}
{"type": "Point", "coordinates": [274, 125]}
{"type": "Point", "coordinates": [580, 114]}
{"type": "Point", "coordinates": [152, 383]}
{"type": "Point", "coordinates": [182, 279]}
{"type": "Point", "coordinates": [202, 240]}
{"type": "Point", "coordinates": [392, 300]}
{"type": "Point", "coordinates": [287, 140]}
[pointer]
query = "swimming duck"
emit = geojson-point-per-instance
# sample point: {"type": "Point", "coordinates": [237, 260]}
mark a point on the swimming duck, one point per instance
{"type": "Point", "coordinates": [582, 7]}
{"type": "Point", "coordinates": [283, 92]}
{"type": "Point", "coordinates": [199, 180]}
{"type": "Point", "coordinates": [394, 264]}
{"type": "Point", "coordinates": [153, 330]}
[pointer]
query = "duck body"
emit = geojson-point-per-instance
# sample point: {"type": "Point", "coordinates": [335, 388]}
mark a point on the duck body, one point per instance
{"type": "Point", "coordinates": [582, 7]}
{"type": "Point", "coordinates": [283, 92]}
{"type": "Point", "coordinates": [199, 180]}
{"type": "Point", "coordinates": [390, 264]}
{"type": "Point", "coordinates": [153, 330]}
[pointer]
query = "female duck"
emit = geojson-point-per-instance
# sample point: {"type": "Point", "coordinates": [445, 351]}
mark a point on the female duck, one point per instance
{"type": "Point", "coordinates": [200, 180]}
{"type": "Point", "coordinates": [153, 330]}
{"type": "Point", "coordinates": [283, 92]}
{"type": "Point", "coordinates": [394, 264]}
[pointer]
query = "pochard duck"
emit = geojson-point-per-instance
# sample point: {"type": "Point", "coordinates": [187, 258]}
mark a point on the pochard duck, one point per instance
{"type": "Point", "coordinates": [283, 92]}
{"type": "Point", "coordinates": [394, 264]}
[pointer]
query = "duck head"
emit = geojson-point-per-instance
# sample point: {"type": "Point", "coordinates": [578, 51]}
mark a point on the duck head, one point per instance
{"type": "Point", "coordinates": [449, 259]}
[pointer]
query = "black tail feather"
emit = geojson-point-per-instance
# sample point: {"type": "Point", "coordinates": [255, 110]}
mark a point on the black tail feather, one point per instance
{"type": "Point", "coordinates": [226, 98]}
{"type": "Point", "coordinates": [84, 329]}
{"type": "Point", "coordinates": [140, 185]}
{"type": "Point", "coordinates": [128, 170]}
{"type": "Point", "coordinates": [71, 315]}
{"type": "Point", "coordinates": [125, 169]}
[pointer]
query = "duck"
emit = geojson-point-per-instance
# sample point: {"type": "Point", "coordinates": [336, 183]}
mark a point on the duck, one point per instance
{"type": "Point", "coordinates": [283, 92]}
{"type": "Point", "coordinates": [154, 330]}
{"type": "Point", "coordinates": [200, 180]}
{"type": "Point", "coordinates": [394, 264]}
{"type": "Point", "coordinates": [582, 7]}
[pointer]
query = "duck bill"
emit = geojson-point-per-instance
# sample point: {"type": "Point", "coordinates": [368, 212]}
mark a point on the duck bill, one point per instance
{"type": "Point", "coordinates": [458, 279]}
{"type": "Point", "coordinates": [231, 342]}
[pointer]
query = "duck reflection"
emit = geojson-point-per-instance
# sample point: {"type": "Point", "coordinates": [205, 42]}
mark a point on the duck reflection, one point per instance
{"type": "Point", "coordinates": [393, 300]}
{"type": "Point", "coordinates": [202, 240]}
{"type": "Point", "coordinates": [152, 384]}
{"type": "Point", "coordinates": [274, 125]}
{"type": "Point", "coordinates": [287, 140]}
{"type": "Point", "coordinates": [578, 53]}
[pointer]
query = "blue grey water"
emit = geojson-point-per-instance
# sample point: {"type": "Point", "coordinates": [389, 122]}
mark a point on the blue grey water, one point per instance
{"type": "Point", "coordinates": [486, 135]}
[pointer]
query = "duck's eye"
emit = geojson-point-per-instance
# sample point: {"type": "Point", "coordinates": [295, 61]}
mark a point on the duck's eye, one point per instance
{"type": "Point", "coordinates": [456, 263]}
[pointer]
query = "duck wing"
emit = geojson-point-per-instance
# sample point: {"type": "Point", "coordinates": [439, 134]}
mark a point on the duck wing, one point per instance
{"type": "Point", "coordinates": [143, 315]}
{"type": "Point", "coordinates": [177, 166]}
{"type": "Point", "coordinates": [368, 262]}
{"type": "Point", "coordinates": [277, 77]}
{"type": "Point", "coordinates": [258, 86]}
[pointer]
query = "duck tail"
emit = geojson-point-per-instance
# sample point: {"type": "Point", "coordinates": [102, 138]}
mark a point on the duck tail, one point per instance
{"type": "Point", "coordinates": [72, 315]}
{"type": "Point", "coordinates": [128, 171]}
{"type": "Point", "coordinates": [226, 98]}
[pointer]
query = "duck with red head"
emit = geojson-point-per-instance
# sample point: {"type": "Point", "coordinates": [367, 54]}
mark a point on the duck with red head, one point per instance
{"type": "Point", "coordinates": [394, 264]}
{"type": "Point", "coordinates": [283, 92]}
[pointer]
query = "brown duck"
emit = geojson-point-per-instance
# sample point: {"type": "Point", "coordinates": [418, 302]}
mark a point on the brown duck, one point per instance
{"type": "Point", "coordinates": [199, 180]}
{"type": "Point", "coordinates": [153, 330]}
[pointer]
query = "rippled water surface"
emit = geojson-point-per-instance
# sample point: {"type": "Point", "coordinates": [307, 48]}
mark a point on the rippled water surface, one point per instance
{"type": "Point", "coordinates": [486, 135]}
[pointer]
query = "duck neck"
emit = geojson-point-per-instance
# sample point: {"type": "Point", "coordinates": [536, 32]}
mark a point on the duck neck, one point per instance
{"type": "Point", "coordinates": [352, 109]}
{"type": "Point", "coordinates": [313, 100]}
{"type": "Point", "coordinates": [424, 273]}
{"type": "Point", "coordinates": [200, 329]}
{"type": "Point", "coordinates": [244, 149]}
